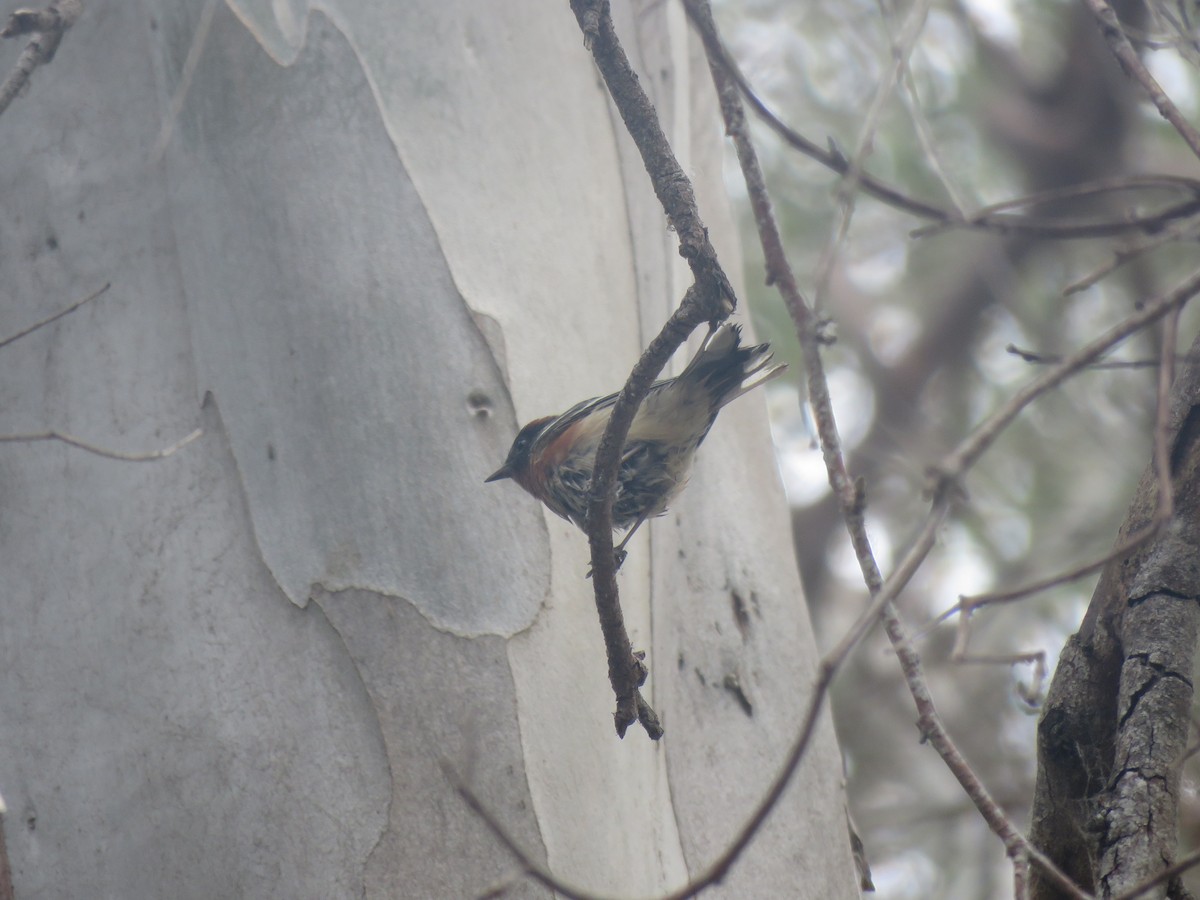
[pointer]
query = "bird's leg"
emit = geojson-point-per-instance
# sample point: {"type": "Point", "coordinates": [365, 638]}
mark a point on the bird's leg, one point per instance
{"type": "Point", "coordinates": [619, 553]}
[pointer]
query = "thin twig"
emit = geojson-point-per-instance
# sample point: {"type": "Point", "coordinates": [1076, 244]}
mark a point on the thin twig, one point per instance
{"type": "Point", "coordinates": [81, 444]}
{"type": "Point", "coordinates": [1050, 359]}
{"type": "Point", "coordinates": [928, 145]}
{"type": "Point", "coordinates": [996, 217]}
{"type": "Point", "coordinates": [186, 75]}
{"type": "Point", "coordinates": [529, 867]}
{"type": "Point", "coordinates": [710, 298]}
{"type": "Point", "coordinates": [47, 27]}
{"type": "Point", "coordinates": [829, 666]}
{"type": "Point", "coordinates": [1020, 866]}
{"type": "Point", "coordinates": [968, 604]}
{"type": "Point", "coordinates": [831, 158]}
{"type": "Point", "coordinates": [1163, 475]}
{"type": "Point", "coordinates": [901, 50]}
{"type": "Point", "coordinates": [1192, 749]}
{"type": "Point", "coordinates": [998, 659]}
{"type": "Point", "coordinates": [1099, 188]}
{"type": "Point", "coordinates": [990, 219]}
{"type": "Point", "coordinates": [54, 318]}
{"type": "Point", "coordinates": [921, 548]}
{"type": "Point", "coordinates": [499, 888]}
{"type": "Point", "coordinates": [934, 732]}
{"type": "Point", "coordinates": [1169, 306]}
{"type": "Point", "coordinates": [1127, 56]}
{"type": "Point", "coordinates": [950, 469]}
{"type": "Point", "coordinates": [1122, 256]}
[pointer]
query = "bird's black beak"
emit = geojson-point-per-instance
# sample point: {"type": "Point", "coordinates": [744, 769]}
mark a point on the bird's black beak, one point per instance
{"type": "Point", "coordinates": [501, 473]}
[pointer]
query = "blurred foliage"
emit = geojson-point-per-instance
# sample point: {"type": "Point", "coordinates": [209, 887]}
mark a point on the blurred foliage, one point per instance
{"type": "Point", "coordinates": [1000, 98]}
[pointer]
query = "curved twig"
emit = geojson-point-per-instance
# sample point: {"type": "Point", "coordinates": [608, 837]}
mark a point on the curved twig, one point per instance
{"type": "Point", "coordinates": [711, 298]}
{"type": "Point", "coordinates": [53, 318]}
{"type": "Point", "coordinates": [47, 27]}
{"type": "Point", "coordinates": [95, 450]}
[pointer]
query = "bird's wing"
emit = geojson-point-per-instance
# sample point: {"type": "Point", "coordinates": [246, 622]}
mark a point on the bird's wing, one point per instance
{"type": "Point", "coordinates": [555, 429]}
{"type": "Point", "coordinates": [586, 408]}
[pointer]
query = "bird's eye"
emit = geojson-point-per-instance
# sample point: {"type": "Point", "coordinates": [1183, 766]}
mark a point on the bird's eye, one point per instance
{"type": "Point", "coordinates": [527, 435]}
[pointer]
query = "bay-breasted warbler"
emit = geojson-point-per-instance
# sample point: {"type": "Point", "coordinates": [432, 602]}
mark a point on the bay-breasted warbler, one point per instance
{"type": "Point", "coordinates": [552, 457]}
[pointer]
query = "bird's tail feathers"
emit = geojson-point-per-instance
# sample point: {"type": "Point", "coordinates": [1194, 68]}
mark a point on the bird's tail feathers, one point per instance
{"type": "Point", "coordinates": [727, 368]}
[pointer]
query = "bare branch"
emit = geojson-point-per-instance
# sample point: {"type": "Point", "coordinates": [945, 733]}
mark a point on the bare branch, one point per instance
{"type": "Point", "coordinates": [1044, 359]}
{"type": "Point", "coordinates": [186, 75]}
{"type": "Point", "coordinates": [950, 469]}
{"type": "Point", "coordinates": [529, 867]}
{"type": "Point", "coordinates": [901, 50]}
{"type": "Point", "coordinates": [997, 218]}
{"type": "Point", "coordinates": [1123, 255]}
{"type": "Point", "coordinates": [1021, 877]}
{"type": "Point", "coordinates": [968, 604]}
{"type": "Point", "coordinates": [710, 298]}
{"type": "Point", "coordinates": [54, 318]}
{"type": "Point", "coordinates": [934, 732]}
{"type": "Point", "coordinates": [928, 146]}
{"type": "Point", "coordinates": [47, 27]}
{"type": "Point", "coordinates": [1162, 448]}
{"type": "Point", "coordinates": [1087, 189]}
{"type": "Point", "coordinates": [1123, 50]}
{"type": "Point", "coordinates": [81, 444]}
{"type": "Point", "coordinates": [1032, 693]}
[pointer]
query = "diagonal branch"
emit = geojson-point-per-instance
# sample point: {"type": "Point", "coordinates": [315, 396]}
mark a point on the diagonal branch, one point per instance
{"type": "Point", "coordinates": [1127, 56]}
{"type": "Point", "coordinates": [952, 467]}
{"type": "Point", "coordinates": [47, 27]}
{"type": "Point", "coordinates": [12, 338]}
{"type": "Point", "coordinates": [847, 192]}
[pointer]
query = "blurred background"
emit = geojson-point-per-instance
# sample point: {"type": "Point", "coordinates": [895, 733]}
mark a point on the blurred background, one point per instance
{"type": "Point", "coordinates": [999, 99]}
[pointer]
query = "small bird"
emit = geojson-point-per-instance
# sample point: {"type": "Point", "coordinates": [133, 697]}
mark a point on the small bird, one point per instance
{"type": "Point", "coordinates": [552, 457]}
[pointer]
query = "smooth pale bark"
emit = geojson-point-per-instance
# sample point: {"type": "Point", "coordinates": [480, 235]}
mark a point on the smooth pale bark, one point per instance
{"type": "Point", "coordinates": [358, 244]}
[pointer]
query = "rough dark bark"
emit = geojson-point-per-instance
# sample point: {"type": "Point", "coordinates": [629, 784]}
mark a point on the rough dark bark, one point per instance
{"type": "Point", "coordinates": [1116, 717]}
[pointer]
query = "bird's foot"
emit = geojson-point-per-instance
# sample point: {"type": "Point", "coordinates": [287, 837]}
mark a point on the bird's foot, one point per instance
{"type": "Point", "coordinates": [618, 558]}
